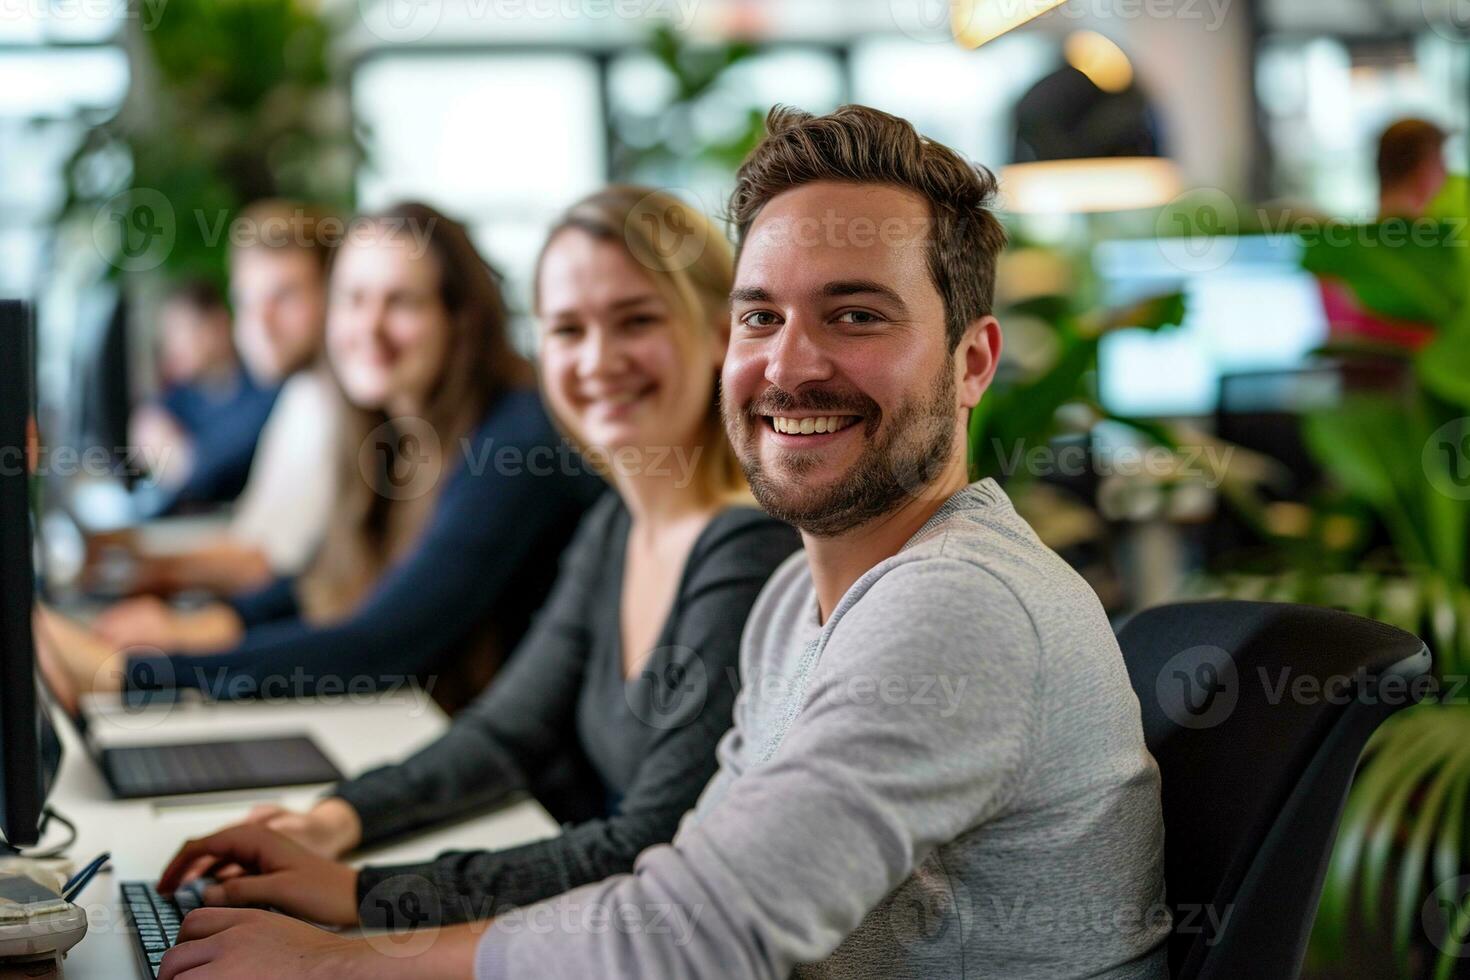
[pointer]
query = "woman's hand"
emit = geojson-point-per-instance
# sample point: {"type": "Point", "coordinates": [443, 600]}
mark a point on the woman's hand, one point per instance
{"type": "Point", "coordinates": [267, 870]}
{"type": "Point", "coordinates": [151, 622]}
{"type": "Point", "coordinates": [330, 829]}
{"type": "Point", "coordinates": [241, 944]}
{"type": "Point", "coordinates": [73, 659]}
{"type": "Point", "coordinates": [144, 621]}
{"type": "Point", "coordinates": [246, 944]}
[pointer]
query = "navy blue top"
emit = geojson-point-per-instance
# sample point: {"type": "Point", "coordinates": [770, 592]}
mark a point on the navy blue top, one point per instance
{"type": "Point", "coordinates": [225, 424]}
{"type": "Point", "coordinates": [514, 494]}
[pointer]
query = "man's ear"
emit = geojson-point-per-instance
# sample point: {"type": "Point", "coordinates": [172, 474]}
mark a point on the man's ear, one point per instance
{"type": "Point", "coordinates": [976, 359]}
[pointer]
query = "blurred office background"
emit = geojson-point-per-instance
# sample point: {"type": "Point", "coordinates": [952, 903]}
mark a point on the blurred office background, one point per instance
{"type": "Point", "coordinates": [1166, 323]}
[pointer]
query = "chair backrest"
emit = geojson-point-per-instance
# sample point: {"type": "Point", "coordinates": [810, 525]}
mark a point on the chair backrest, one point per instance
{"type": "Point", "coordinates": [1257, 714]}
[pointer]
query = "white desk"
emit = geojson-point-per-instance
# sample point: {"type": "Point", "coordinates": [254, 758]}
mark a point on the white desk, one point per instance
{"type": "Point", "coordinates": [143, 835]}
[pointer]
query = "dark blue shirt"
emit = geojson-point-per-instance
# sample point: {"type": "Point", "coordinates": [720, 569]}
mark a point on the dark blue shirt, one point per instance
{"type": "Point", "coordinates": [515, 492]}
{"type": "Point", "coordinates": [224, 423]}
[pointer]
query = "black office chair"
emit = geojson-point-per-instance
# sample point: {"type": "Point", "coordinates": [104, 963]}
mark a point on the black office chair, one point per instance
{"type": "Point", "coordinates": [1255, 778]}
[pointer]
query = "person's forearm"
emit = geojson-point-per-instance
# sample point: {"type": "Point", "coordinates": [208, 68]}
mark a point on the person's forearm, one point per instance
{"type": "Point", "coordinates": [207, 629]}
{"type": "Point", "coordinates": [223, 565]}
{"type": "Point", "coordinates": [444, 954]}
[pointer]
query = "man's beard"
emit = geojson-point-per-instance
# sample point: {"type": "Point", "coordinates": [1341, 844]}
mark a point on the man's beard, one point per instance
{"type": "Point", "coordinates": [916, 448]}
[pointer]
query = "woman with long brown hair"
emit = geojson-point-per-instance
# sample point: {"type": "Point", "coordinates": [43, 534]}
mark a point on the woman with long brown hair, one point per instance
{"type": "Point", "coordinates": [440, 544]}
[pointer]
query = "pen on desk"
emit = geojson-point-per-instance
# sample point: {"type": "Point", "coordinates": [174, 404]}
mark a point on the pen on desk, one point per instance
{"type": "Point", "coordinates": [80, 880]}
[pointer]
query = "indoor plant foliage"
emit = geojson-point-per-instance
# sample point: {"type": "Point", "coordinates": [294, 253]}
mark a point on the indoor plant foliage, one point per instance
{"type": "Point", "coordinates": [1406, 456]}
{"type": "Point", "coordinates": [230, 101]}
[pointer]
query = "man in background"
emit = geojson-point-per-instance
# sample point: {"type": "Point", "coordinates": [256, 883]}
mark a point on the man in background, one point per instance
{"type": "Point", "coordinates": [1411, 168]}
{"type": "Point", "coordinates": [202, 429]}
{"type": "Point", "coordinates": [1411, 174]}
{"type": "Point", "coordinates": [278, 268]}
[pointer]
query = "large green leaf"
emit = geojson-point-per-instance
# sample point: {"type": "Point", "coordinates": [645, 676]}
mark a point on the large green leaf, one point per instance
{"type": "Point", "coordinates": [1406, 272]}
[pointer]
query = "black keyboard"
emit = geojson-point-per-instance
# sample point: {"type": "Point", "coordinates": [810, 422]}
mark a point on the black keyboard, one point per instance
{"type": "Point", "coordinates": [140, 771]}
{"type": "Point", "coordinates": [155, 920]}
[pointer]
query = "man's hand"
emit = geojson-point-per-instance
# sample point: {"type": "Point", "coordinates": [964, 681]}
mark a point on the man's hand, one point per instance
{"type": "Point", "coordinates": [267, 869]}
{"type": "Point", "coordinates": [245, 944]}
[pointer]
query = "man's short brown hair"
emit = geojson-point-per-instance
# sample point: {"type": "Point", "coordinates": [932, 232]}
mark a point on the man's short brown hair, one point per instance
{"type": "Point", "coordinates": [277, 223]}
{"type": "Point", "coordinates": [857, 144]}
{"type": "Point", "coordinates": [1405, 147]}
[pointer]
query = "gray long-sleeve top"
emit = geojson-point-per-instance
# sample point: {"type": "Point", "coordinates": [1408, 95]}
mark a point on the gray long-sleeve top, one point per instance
{"type": "Point", "coordinates": [649, 741]}
{"type": "Point", "coordinates": [946, 779]}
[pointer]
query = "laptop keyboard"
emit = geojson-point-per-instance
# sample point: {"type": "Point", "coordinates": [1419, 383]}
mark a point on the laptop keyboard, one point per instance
{"type": "Point", "coordinates": [209, 767]}
{"type": "Point", "coordinates": [156, 920]}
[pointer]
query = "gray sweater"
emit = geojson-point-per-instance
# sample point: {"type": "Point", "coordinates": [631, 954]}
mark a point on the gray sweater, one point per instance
{"type": "Point", "coordinates": [946, 779]}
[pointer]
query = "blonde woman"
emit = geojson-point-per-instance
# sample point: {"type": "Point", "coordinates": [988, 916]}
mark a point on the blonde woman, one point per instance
{"type": "Point", "coordinates": [631, 667]}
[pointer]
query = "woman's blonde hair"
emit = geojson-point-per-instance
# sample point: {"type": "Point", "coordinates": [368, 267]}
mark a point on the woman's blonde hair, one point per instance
{"type": "Point", "coordinates": [691, 264]}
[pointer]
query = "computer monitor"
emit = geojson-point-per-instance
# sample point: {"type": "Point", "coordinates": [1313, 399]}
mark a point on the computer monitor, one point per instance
{"type": "Point", "coordinates": [28, 753]}
{"type": "Point", "coordinates": [1250, 307]}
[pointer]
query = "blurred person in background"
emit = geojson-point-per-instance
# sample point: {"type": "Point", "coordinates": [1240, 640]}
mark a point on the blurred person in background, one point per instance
{"type": "Point", "coordinates": [279, 253]}
{"type": "Point", "coordinates": [437, 550]}
{"type": "Point", "coordinates": [201, 430]}
{"type": "Point", "coordinates": [632, 664]}
{"type": "Point", "coordinates": [1411, 168]}
{"type": "Point", "coordinates": [1411, 173]}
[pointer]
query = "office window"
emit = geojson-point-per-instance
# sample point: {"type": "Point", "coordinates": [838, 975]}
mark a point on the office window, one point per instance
{"type": "Point", "coordinates": [500, 141]}
{"type": "Point", "coordinates": [960, 97]}
{"type": "Point", "coordinates": [696, 148]}
{"type": "Point", "coordinates": [1325, 101]}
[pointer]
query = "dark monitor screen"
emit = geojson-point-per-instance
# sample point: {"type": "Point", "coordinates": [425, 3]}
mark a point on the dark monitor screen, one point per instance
{"type": "Point", "coordinates": [23, 777]}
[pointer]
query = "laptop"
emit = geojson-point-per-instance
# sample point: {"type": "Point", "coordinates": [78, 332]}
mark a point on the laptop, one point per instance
{"type": "Point", "coordinates": [144, 770]}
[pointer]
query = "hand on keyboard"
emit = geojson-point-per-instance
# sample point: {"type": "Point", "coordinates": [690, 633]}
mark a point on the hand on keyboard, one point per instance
{"type": "Point", "coordinates": [275, 873]}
